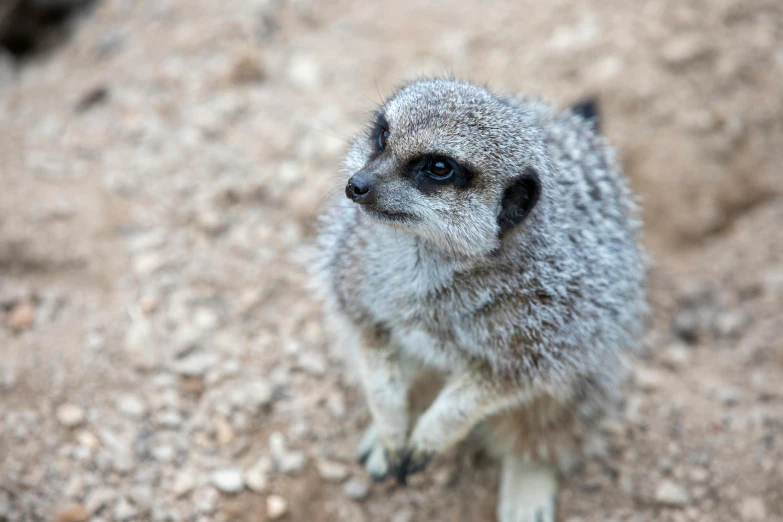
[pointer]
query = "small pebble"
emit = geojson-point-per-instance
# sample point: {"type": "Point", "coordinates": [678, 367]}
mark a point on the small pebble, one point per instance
{"type": "Point", "coordinates": [257, 476]}
{"type": "Point", "coordinates": [312, 363]}
{"type": "Point", "coordinates": [72, 513]}
{"type": "Point", "coordinates": [124, 510]}
{"type": "Point", "coordinates": [671, 494]}
{"type": "Point", "coordinates": [276, 507]}
{"type": "Point", "coordinates": [164, 453]}
{"type": "Point", "coordinates": [699, 475]}
{"type": "Point", "coordinates": [131, 406]}
{"type": "Point", "coordinates": [224, 433]}
{"type": "Point", "coordinates": [247, 68]}
{"type": "Point", "coordinates": [287, 462]}
{"type": "Point", "coordinates": [70, 415]}
{"type": "Point", "coordinates": [730, 396]}
{"type": "Point", "coordinates": [227, 480]}
{"type": "Point", "coordinates": [753, 509]}
{"type": "Point", "coordinates": [22, 316]}
{"type": "Point", "coordinates": [404, 515]}
{"type": "Point", "coordinates": [676, 357]}
{"type": "Point", "coordinates": [99, 498]}
{"type": "Point", "coordinates": [259, 394]}
{"type": "Point", "coordinates": [684, 49]}
{"type": "Point", "coordinates": [357, 489]}
{"type": "Point", "coordinates": [196, 365]}
{"type": "Point", "coordinates": [332, 471]}
{"type": "Point", "coordinates": [183, 484]}
{"type": "Point", "coordinates": [335, 403]}
{"type": "Point", "coordinates": [205, 500]}
{"type": "Point", "coordinates": [648, 380]}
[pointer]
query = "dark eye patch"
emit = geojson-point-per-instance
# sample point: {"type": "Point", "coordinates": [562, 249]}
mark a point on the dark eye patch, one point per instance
{"type": "Point", "coordinates": [432, 171]}
{"type": "Point", "coordinates": [379, 133]}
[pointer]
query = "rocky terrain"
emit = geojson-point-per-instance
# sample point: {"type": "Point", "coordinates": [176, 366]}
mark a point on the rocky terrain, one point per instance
{"type": "Point", "coordinates": [161, 356]}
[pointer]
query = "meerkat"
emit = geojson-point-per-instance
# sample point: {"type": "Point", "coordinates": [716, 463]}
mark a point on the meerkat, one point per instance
{"type": "Point", "coordinates": [489, 243]}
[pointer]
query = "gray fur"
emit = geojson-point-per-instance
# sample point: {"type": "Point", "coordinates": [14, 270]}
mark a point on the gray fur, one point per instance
{"type": "Point", "coordinates": [550, 305]}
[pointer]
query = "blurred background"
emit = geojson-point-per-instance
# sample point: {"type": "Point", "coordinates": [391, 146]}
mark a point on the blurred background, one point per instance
{"type": "Point", "coordinates": [162, 163]}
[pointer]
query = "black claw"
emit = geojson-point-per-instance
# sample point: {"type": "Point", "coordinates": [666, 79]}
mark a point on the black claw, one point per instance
{"type": "Point", "coordinates": [402, 471]}
{"type": "Point", "coordinates": [420, 465]}
{"type": "Point", "coordinates": [408, 467]}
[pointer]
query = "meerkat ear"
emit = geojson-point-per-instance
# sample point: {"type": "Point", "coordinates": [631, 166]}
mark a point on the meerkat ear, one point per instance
{"type": "Point", "coordinates": [519, 198]}
{"type": "Point", "coordinates": [588, 109]}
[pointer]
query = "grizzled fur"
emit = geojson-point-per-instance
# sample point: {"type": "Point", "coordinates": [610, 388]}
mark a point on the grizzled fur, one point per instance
{"type": "Point", "coordinates": [522, 279]}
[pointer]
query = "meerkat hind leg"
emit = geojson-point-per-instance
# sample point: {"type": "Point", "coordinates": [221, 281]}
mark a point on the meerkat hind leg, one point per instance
{"type": "Point", "coordinates": [527, 491]}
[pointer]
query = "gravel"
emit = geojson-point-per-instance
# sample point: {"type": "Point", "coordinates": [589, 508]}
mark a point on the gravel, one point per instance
{"type": "Point", "coordinates": [161, 345]}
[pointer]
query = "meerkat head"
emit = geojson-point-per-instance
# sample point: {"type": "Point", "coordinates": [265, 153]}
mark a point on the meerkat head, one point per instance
{"type": "Point", "coordinates": [449, 162]}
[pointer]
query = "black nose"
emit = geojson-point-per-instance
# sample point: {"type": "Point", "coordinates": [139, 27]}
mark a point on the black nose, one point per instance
{"type": "Point", "coordinates": [359, 187]}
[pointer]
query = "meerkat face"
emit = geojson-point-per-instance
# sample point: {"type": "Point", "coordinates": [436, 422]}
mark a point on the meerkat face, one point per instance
{"type": "Point", "coordinates": [450, 162]}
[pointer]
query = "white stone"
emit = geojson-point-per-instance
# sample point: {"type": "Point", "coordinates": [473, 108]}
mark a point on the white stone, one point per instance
{"type": "Point", "coordinates": [184, 483]}
{"type": "Point", "coordinates": [671, 494]}
{"type": "Point", "coordinates": [335, 403]}
{"type": "Point", "coordinates": [276, 507]}
{"type": "Point", "coordinates": [70, 415]}
{"type": "Point", "coordinates": [131, 406]}
{"type": "Point", "coordinates": [332, 471]}
{"type": "Point", "coordinates": [684, 48]}
{"type": "Point", "coordinates": [164, 453]}
{"type": "Point", "coordinates": [124, 510]}
{"type": "Point", "coordinates": [312, 363]}
{"type": "Point", "coordinates": [304, 73]}
{"type": "Point", "coordinates": [287, 462]}
{"type": "Point", "coordinates": [676, 357]}
{"type": "Point", "coordinates": [99, 498]}
{"type": "Point", "coordinates": [730, 396]}
{"type": "Point", "coordinates": [169, 419]}
{"type": "Point", "coordinates": [357, 489]}
{"type": "Point", "coordinates": [205, 499]}
{"type": "Point", "coordinates": [648, 379]}
{"type": "Point", "coordinates": [753, 509]}
{"type": "Point", "coordinates": [227, 480]}
{"type": "Point", "coordinates": [257, 477]}
{"type": "Point", "coordinates": [196, 365]}
{"type": "Point", "coordinates": [260, 394]}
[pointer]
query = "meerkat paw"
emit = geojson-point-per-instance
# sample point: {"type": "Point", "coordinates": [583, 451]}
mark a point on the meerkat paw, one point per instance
{"type": "Point", "coordinates": [373, 455]}
{"type": "Point", "coordinates": [408, 462]}
{"type": "Point", "coordinates": [527, 492]}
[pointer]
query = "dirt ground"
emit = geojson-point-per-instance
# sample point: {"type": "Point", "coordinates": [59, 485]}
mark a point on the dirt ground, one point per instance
{"type": "Point", "coordinates": [161, 357]}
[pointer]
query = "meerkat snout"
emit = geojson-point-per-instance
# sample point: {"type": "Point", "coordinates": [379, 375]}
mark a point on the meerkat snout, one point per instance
{"type": "Point", "coordinates": [360, 187]}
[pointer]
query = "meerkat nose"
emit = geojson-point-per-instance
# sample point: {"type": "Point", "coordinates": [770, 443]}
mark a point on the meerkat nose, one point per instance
{"type": "Point", "coordinates": [359, 187]}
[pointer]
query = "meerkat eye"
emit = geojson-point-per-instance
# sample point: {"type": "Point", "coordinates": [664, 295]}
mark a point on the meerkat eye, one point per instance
{"type": "Point", "coordinates": [383, 137]}
{"type": "Point", "coordinates": [440, 169]}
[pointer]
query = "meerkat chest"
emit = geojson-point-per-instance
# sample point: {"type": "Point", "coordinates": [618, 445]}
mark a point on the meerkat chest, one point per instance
{"type": "Point", "coordinates": [399, 282]}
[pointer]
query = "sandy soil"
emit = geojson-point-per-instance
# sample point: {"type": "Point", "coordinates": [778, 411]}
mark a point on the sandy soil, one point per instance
{"type": "Point", "coordinates": [160, 355]}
